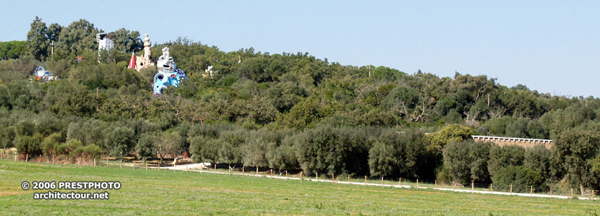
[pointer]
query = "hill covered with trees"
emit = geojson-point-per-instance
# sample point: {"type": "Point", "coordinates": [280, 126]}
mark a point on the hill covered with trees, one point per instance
{"type": "Point", "coordinates": [286, 111]}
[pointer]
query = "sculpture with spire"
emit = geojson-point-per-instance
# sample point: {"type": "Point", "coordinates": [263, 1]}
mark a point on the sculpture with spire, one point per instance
{"type": "Point", "coordinates": [145, 61]}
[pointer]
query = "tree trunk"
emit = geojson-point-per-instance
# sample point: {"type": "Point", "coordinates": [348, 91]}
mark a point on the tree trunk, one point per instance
{"type": "Point", "coordinates": [580, 182]}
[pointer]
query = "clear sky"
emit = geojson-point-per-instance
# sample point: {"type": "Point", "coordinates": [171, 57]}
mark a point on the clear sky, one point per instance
{"type": "Point", "coordinates": [550, 46]}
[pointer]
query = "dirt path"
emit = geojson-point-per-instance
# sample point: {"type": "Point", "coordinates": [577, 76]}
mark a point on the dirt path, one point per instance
{"type": "Point", "coordinates": [206, 168]}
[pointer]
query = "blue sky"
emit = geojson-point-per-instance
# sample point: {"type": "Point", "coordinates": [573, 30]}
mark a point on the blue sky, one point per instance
{"type": "Point", "coordinates": [550, 46]}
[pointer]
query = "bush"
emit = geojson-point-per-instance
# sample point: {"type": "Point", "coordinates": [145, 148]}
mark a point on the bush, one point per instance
{"type": "Point", "coordinates": [382, 159]}
{"type": "Point", "coordinates": [50, 144]}
{"type": "Point", "coordinates": [145, 146]}
{"type": "Point", "coordinates": [501, 157]}
{"type": "Point", "coordinates": [31, 145]}
{"type": "Point", "coordinates": [467, 160]}
{"type": "Point", "coordinates": [539, 159]}
{"type": "Point", "coordinates": [519, 177]}
{"type": "Point", "coordinates": [70, 146]}
{"type": "Point", "coordinates": [7, 136]}
{"type": "Point", "coordinates": [86, 152]}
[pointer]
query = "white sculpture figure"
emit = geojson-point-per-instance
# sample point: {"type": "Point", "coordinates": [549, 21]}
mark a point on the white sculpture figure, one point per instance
{"type": "Point", "coordinates": [145, 60]}
{"type": "Point", "coordinates": [165, 61]}
{"type": "Point", "coordinates": [166, 52]}
{"type": "Point", "coordinates": [43, 74]}
{"type": "Point", "coordinates": [208, 72]}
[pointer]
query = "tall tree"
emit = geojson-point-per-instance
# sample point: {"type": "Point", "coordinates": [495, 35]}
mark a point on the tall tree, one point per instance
{"type": "Point", "coordinates": [467, 160]}
{"type": "Point", "coordinates": [77, 37]}
{"type": "Point", "coordinates": [576, 149]}
{"type": "Point", "coordinates": [120, 141]}
{"type": "Point", "coordinates": [382, 159]}
{"type": "Point", "coordinates": [127, 41]}
{"type": "Point", "coordinates": [37, 41]}
{"type": "Point", "coordinates": [52, 34]}
{"type": "Point", "coordinates": [145, 146]}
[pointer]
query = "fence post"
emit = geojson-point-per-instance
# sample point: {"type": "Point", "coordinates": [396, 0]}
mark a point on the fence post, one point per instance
{"type": "Point", "coordinates": [550, 192]}
{"type": "Point", "coordinates": [301, 175]}
{"type": "Point", "coordinates": [571, 193]}
{"type": "Point", "coordinates": [435, 184]}
{"type": "Point", "coordinates": [271, 173]}
{"type": "Point", "coordinates": [381, 181]}
{"type": "Point", "coordinates": [94, 162]}
{"type": "Point", "coordinates": [15, 156]}
{"type": "Point", "coordinates": [400, 181]}
{"type": "Point", "coordinates": [333, 178]}
{"type": "Point", "coordinates": [365, 180]}
{"type": "Point", "coordinates": [27, 158]}
{"type": "Point", "coordinates": [158, 167]}
{"type": "Point", "coordinates": [121, 164]}
{"type": "Point", "coordinates": [52, 159]}
{"type": "Point", "coordinates": [146, 165]}
{"type": "Point", "coordinates": [348, 179]}
{"type": "Point", "coordinates": [257, 170]}
{"type": "Point", "coordinates": [472, 186]}
{"type": "Point", "coordinates": [285, 174]}
{"type": "Point", "coordinates": [417, 183]}
{"type": "Point", "coordinates": [593, 191]}
{"type": "Point", "coordinates": [492, 187]}
{"type": "Point", "coordinates": [107, 161]}
{"type": "Point", "coordinates": [531, 193]}
{"type": "Point", "coordinates": [317, 174]}
{"type": "Point", "coordinates": [187, 167]}
{"type": "Point", "coordinates": [511, 189]}
{"type": "Point", "coordinates": [243, 171]}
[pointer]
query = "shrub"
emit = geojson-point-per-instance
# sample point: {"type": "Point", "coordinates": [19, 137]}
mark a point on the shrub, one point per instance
{"type": "Point", "coordinates": [521, 178]}
{"type": "Point", "coordinates": [501, 157]}
{"type": "Point", "coordinates": [467, 160]}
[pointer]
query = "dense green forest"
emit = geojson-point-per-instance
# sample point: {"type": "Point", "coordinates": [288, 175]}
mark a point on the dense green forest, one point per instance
{"type": "Point", "coordinates": [287, 111]}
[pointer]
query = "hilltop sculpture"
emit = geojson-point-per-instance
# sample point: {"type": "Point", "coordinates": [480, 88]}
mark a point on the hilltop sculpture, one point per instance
{"type": "Point", "coordinates": [168, 73]}
{"type": "Point", "coordinates": [144, 61]}
{"type": "Point", "coordinates": [42, 74]}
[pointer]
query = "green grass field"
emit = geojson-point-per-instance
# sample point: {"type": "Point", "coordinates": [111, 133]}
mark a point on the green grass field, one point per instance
{"type": "Point", "coordinates": [164, 192]}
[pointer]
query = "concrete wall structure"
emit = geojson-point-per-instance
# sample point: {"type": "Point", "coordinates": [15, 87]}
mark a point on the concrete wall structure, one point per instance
{"type": "Point", "coordinates": [523, 142]}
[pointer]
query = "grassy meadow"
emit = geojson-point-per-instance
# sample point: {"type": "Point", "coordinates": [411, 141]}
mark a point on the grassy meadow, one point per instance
{"type": "Point", "coordinates": [165, 192]}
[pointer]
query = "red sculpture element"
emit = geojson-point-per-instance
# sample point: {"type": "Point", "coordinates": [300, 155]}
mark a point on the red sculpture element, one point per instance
{"type": "Point", "coordinates": [132, 62]}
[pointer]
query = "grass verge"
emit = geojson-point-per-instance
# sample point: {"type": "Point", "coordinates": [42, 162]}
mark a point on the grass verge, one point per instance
{"type": "Point", "coordinates": [164, 192]}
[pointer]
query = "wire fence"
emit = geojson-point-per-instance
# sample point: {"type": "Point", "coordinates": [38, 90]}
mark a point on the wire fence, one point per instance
{"type": "Point", "coordinates": [554, 191]}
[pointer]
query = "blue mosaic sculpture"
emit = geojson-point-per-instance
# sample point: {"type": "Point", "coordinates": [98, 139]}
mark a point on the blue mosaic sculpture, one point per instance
{"type": "Point", "coordinates": [168, 73]}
